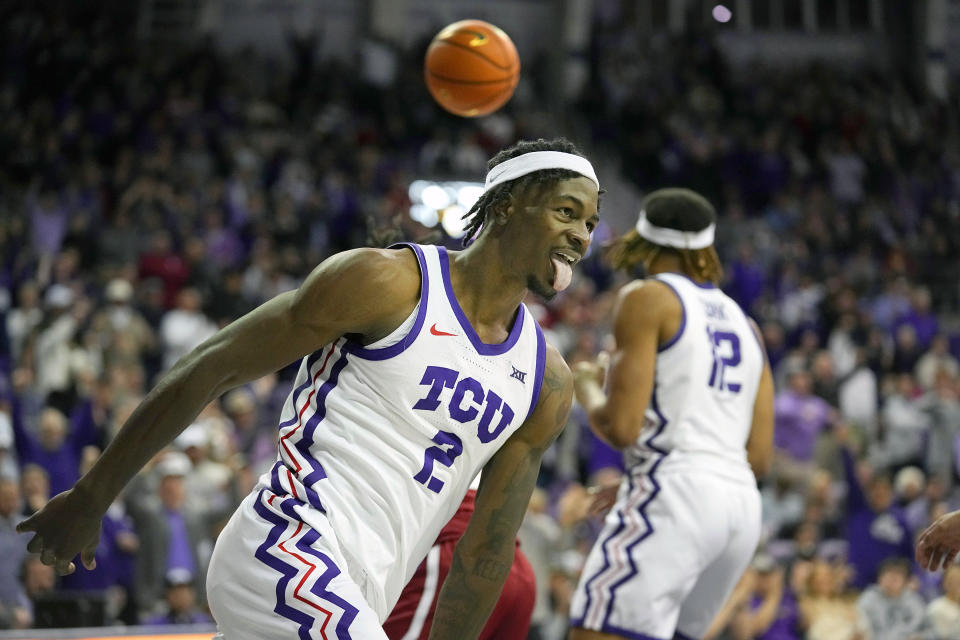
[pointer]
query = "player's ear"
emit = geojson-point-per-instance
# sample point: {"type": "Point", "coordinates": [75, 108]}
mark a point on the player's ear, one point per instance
{"type": "Point", "coordinates": [503, 210]}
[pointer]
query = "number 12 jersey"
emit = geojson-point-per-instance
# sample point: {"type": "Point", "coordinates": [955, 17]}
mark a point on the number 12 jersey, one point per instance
{"type": "Point", "coordinates": [705, 385]}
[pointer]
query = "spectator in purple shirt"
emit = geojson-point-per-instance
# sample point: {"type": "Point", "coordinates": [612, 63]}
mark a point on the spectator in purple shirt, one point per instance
{"type": "Point", "coordinates": [799, 418]}
{"type": "Point", "coordinates": [876, 528]}
{"type": "Point", "coordinates": [170, 532]}
{"type": "Point", "coordinates": [117, 539]}
{"type": "Point", "coordinates": [772, 611]}
{"type": "Point", "coordinates": [115, 558]}
{"type": "Point", "coordinates": [48, 219]}
{"type": "Point", "coordinates": [763, 606]}
{"type": "Point", "coordinates": [54, 446]}
{"type": "Point", "coordinates": [746, 278]}
{"type": "Point", "coordinates": [923, 321]}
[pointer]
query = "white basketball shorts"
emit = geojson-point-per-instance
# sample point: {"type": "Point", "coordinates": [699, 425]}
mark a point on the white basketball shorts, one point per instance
{"type": "Point", "coordinates": [670, 553]}
{"type": "Point", "coordinates": [273, 577]}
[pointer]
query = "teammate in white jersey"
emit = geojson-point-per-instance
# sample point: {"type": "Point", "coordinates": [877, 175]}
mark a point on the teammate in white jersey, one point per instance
{"type": "Point", "coordinates": [420, 368]}
{"type": "Point", "coordinates": [689, 398]}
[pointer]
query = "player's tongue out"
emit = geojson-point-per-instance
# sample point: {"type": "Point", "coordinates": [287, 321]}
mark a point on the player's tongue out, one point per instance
{"type": "Point", "coordinates": [562, 273]}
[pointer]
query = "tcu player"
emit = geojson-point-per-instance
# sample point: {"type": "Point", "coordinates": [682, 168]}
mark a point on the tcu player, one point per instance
{"type": "Point", "coordinates": [420, 368]}
{"type": "Point", "coordinates": [689, 397]}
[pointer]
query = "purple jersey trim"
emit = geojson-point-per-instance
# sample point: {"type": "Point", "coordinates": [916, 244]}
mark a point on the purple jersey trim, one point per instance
{"type": "Point", "coordinates": [306, 441]}
{"type": "Point", "coordinates": [604, 545]}
{"type": "Point", "coordinates": [287, 571]}
{"type": "Point", "coordinates": [683, 320]}
{"type": "Point", "coordinates": [304, 444]}
{"type": "Point", "coordinates": [482, 347]}
{"type": "Point", "coordinates": [397, 348]}
{"type": "Point", "coordinates": [319, 588]}
{"type": "Point", "coordinates": [312, 360]}
{"type": "Point", "coordinates": [642, 508]}
{"type": "Point", "coordinates": [541, 364]}
{"type": "Point", "coordinates": [701, 285]}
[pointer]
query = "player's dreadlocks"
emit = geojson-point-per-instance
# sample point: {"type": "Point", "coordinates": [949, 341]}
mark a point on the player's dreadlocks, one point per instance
{"type": "Point", "coordinates": [477, 216]}
{"type": "Point", "coordinates": [680, 209]}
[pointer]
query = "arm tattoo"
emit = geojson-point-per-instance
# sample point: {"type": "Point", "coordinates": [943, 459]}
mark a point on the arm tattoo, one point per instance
{"type": "Point", "coordinates": [551, 381]}
{"type": "Point", "coordinates": [477, 575]}
{"type": "Point", "coordinates": [492, 568]}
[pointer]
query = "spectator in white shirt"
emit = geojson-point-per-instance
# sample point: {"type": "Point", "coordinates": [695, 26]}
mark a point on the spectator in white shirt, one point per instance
{"type": "Point", "coordinates": [935, 360]}
{"type": "Point", "coordinates": [943, 614]}
{"type": "Point", "coordinates": [184, 327]}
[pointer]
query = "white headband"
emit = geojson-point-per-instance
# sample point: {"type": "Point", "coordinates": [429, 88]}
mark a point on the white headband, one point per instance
{"type": "Point", "coordinates": [672, 237]}
{"type": "Point", "coordinates": [536, 161]}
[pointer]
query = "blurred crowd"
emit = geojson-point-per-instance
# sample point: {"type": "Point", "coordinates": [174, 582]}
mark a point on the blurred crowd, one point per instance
{"type": "Point", "coordinates": [149, 195]}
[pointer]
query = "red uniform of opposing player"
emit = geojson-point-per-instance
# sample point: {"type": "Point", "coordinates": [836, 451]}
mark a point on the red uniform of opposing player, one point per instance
{"type": "Point", "coordinates": [412, 616]}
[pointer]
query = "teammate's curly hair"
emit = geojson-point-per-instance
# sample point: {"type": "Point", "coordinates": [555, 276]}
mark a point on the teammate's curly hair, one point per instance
{"type": "Point", "coordinates": [672, 208]}
{"type": "Point", "coordinates": [477, 216]}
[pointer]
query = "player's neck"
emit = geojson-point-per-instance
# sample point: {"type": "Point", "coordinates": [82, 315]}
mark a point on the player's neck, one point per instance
{"type": "Point", "coordinates": [669, 263]}
{"type": "Point", "coordinates": [488, 294]}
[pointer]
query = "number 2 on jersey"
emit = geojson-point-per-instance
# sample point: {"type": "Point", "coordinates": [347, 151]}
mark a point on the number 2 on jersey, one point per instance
{"type": "Point", "coordinates": [726, 355]}
{"type": "Point", "coordinates": [438, 454]}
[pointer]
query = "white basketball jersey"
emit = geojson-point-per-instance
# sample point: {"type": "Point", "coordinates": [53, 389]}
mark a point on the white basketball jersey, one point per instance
{"type": "Point", "coordinates": [705, 385]}
{"type": "Point", "coordinates": [385, 439]}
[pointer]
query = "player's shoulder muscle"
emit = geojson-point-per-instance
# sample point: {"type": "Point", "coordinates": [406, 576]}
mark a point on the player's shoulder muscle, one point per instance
{"type": "Point", "coordinates": [644, 305]}
{"type": "Point", "coordinates": [360, 291]}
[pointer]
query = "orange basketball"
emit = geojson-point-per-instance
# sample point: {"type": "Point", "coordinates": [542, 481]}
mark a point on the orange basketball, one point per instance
{"type": "Point", "coordinates": [471, 68]}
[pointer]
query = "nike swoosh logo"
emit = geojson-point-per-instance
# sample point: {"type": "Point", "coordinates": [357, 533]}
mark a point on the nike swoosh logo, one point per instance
{"type": "Point", "coordinates": [438, 332]}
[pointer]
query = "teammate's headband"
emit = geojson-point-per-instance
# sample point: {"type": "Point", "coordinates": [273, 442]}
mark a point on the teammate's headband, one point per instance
{"type": "Point", "coordinates": [674, 238]}
{"type": "Point", "coordinates": [537, 161]}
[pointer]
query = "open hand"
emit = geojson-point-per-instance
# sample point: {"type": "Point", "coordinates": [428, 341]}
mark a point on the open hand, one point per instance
{"type": "Point", "coordinates": [939, 543]}
{"type": "Point", "coordinates": [68, 525]}
{"type": "Point", "coordinates": [602, 498]}
{"type": "Point", "coordinates": [586, 371]}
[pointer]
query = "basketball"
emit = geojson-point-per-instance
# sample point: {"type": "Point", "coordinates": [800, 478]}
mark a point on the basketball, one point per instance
{"type": "Point", "coordinates": [471, 68]}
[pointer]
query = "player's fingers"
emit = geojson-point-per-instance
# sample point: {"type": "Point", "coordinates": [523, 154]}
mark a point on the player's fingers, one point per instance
{"type": "Point", "coordinates": [951, 556]}
{"type": "Point", "coordinates": [941, 559]}
{"type": "Point", "coordinates": [601, 502]}
{"type": "Point", "coordinates": [88, 558]}
{"type": "Point", "coordinates": [48, 557]}
{"type": "Point", "coordinates": [30, 524]}
{"type": "Point", "coordinates": [603, 360]}
{"type": "Point", "coordinates": [596, 506]}
{"type": "Point", "coordinates": [64, 567]}
{"type": "Point", "coordinates": [35, 545]}
{"type": "Point", "coordinates": [936, 559]}
{"type": "Point", "coordinates": [926, 542]}
{"type": "Point", "coordinates": [928, 558]}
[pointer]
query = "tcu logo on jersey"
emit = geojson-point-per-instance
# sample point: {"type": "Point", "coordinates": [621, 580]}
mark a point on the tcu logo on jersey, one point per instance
{"type": "Point", "coordinates": [462, 409]}
{"type": "Point", "coordinates": [483, 404]}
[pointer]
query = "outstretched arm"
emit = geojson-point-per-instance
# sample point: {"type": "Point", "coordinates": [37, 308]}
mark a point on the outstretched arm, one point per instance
{"type": "Point", "coordinates": [856, 498]}
{"type": "Point", "coordinates": [382, 287]}
{"type": "Point", "coordinates": [484, 555]}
